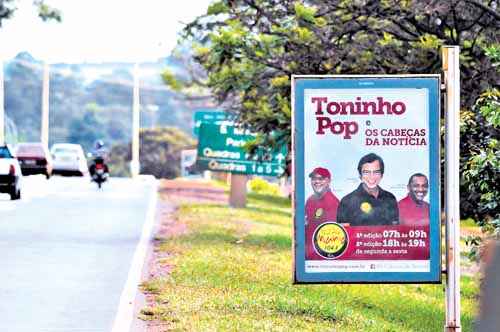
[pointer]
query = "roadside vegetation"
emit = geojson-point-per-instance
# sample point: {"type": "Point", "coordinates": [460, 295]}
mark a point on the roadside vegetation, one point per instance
{"type": "Point", "coordinates": [232, 271]}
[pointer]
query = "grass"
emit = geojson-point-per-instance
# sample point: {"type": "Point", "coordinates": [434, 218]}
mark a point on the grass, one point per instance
{"type": "Point", "coordinates": [468, 223]}
{"type": "Point", "coordinates": [233, 272]}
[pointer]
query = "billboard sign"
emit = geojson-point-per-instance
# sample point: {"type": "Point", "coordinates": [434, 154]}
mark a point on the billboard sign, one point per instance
{"type": "Point", "coordinates": [366, 175]}
{"type": "Point", "coordinates": [220, 149]}
{"type": "Point", "coordinates": [209, 116]}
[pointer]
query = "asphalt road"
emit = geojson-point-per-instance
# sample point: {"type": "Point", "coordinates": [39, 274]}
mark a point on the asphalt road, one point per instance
{"type": "Point", "coordinates": [66, 250]}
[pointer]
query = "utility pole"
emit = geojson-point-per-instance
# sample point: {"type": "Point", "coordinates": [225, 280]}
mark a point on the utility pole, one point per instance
{"type": "Point", "coordinates": [2, 106]}
{"type": "Point", "coordinates": [44, 130]}
{"type": "Point", "coordinates": [134, 163]}
{"type": "Point", "coordinates": [451, 71]}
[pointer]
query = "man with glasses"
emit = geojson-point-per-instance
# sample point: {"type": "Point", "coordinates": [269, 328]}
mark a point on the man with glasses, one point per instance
{"type": "Point", "coordinates": [369, 204]}
{"type": "Point", "coordinates": [321, 206]}
{"type": "Point", "coordinates": [413, 210]}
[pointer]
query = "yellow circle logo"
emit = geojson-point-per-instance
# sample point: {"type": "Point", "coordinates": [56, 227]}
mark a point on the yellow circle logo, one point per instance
{"type": "Point", "coordinates": [318, 213]}
{"type": "Point", "coordinates": [366, 207]}
{"type": "Point", "coordinates": [330, 240]}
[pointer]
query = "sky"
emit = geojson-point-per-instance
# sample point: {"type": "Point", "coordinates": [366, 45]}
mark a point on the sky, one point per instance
{"type": "Point", "coordinates": [99, 30]}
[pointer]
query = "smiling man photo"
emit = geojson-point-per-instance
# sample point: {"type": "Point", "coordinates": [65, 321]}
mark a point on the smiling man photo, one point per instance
{"type": "Point", "coordinates": [413, 210]}
{"type": "Point", "coordinates": [369, 204]}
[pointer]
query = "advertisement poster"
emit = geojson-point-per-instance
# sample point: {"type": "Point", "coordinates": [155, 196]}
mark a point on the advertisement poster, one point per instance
{"type": "Point", "coordinates": [366, 179]}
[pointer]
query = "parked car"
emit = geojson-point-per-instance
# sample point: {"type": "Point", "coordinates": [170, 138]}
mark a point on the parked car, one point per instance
{"type": "Point", "coordinates": [34, 158]}
{"type": "Point", "coordinates": [68, 159]}
{"type": "Point", "coordinates": [10, 173]}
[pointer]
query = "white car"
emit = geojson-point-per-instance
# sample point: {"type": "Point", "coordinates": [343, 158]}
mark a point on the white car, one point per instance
{"type": "Point", "coordinates": [68, 159]}
{"type": "Point", "coordinates": [10, 173]}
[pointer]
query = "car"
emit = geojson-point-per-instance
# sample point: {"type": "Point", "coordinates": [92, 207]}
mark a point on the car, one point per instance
{"type": "Point", "coordinates": [10, 173]}
{"type": "Point", "coordinates": [34, 158]}
{"type": "Point", "coordinates": [68, 159]}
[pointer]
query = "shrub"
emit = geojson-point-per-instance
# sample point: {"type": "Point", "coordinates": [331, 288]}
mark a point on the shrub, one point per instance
{"type": "Point", "coordinates": [261, 186]}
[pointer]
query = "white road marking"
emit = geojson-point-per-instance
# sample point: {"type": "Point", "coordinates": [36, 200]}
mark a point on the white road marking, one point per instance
{"type": "Point", "coordinates": [125, 313]}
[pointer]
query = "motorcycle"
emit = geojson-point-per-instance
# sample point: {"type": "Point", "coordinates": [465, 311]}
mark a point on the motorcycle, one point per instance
{"type": "Point", "coordinates": [99, 171]}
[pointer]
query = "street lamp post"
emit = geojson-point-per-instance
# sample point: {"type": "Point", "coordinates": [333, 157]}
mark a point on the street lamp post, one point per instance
{"type": "Point", "coordinates": [2, 109]}
{"type": "Point", "coordinates": [134, 163]}
{"type": "Point", "coordinates": [44, 130]}
{"type": "Point", "coordinates": [153, 113]}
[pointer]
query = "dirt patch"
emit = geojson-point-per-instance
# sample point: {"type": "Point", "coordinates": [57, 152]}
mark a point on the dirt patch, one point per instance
{"type": "Point", "coordinates": [184, 191]}
{"type": "Point", "coordinates": [173, 193]}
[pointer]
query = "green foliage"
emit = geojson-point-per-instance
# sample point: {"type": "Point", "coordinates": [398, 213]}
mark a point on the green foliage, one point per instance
{"type": "Point", "coordinates": [86, 129]}
{"type": "Point", "coordinates": [387, 40]}
{"type": "Point", "coordinates": [493, 52]}
{"type": "Point", "coordinates": [490, 109]}
{"type": "Point", "coordinates": [46, 12]}
{"type": "Point", "coordinates": [428, 41]}
{"type": "Point", "coordinates": [22, 93]}
{"type": "Point", "coordinates": [481, 171]}
{"type": "Point", "coordinates": [304, 13]}
{"type": "Point", "coordinates": [7, 8]}
{"type": "Point", "coordinates": [303, 35]}
{"type": "Point", "coordinates": [170, 80]}
{"type": "Point", "coordinates": [119, 160]}
{"type": "Point", "coordinates": [481, 163]}
{"type": "Point", "coordinates": [261, 186]}
{"type": "Point", "coordinates": [218, 7]}
{"type": "Point", "coordinates": [94, 123]}
{"type": "Point", "coordinates": [159, 153]}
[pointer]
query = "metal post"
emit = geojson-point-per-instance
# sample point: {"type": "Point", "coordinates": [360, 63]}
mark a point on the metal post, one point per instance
{"type": "Point", "coordinates": [452, 152]}
{"type": "Point", "coordinates": [2, 107]}
{"type": "Point", "coordinates": [135, 164]}
{"type": "Point", "coordinates": [44, 130]}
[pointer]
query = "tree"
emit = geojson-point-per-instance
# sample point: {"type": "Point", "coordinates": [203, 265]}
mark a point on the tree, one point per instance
{"type": "Point", "coordinates": [250, 49]}
{"type": "Point", "coordinates": [87, 129]}
{"type": "Point", "coordinates": [160, 153]}
{"type": "Point", "coordinates": [66, 94]}
{"type": "Point", "coordinates": [185, 75]}
{"type": "Point", "coordinates": [481, 161]}
{"type": "Point", "coordinates": [23, 86]}
{"type": "Point", "coordinates": [45, 12]}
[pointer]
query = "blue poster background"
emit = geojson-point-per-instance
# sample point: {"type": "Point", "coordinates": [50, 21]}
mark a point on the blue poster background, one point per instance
{"type": "Point", "coordinates": [307, 85]}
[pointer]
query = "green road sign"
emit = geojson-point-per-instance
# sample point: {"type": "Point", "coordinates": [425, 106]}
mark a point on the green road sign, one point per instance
{"type": "Point", "coordinates": [220, 149]}
{"type": "Point", "coordinates": [208, 116]}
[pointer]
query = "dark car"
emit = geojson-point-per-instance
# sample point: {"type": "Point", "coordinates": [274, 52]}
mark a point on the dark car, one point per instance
{"type": "Point", "coordinates": [10, 174]}
{"type": "Point", "coordinates": [34, 158]}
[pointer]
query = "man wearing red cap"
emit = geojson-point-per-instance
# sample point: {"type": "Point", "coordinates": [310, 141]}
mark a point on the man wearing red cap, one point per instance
{"type": "Point", "coordinates": [321, 207]}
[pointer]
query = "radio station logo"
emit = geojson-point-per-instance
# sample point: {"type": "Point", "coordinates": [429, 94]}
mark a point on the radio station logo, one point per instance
{"type": "Point", "coordinates": [330, 240]}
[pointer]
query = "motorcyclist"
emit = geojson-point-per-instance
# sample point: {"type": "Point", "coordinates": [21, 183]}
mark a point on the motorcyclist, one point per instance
{"type": "Point", "coordinates": [100, 153]}
{"type": "Point", "coordinates": [99, 149]}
